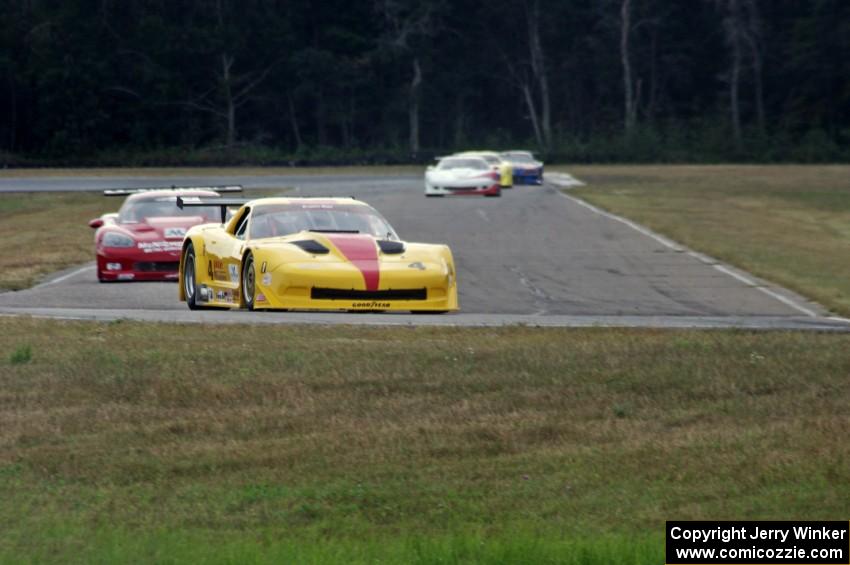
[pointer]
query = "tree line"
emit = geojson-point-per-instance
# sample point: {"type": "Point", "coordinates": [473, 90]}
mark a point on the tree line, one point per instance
{"type": "Point", "coordinates": [301, 80]}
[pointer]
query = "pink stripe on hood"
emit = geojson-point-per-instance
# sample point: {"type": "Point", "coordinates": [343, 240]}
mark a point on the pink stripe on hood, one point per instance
{"type": "Point", "coordinates": [363, 254]}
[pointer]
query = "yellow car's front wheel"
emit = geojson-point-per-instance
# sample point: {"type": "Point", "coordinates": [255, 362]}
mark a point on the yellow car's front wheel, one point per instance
{"type": "Point", "coordinates": [249, 281]}
{"type": "Point", "coordinates": [191, 291]}
{"type": "Point", "coordinates": [190, 287]}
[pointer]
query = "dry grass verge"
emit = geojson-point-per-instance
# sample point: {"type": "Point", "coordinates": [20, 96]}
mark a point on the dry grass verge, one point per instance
{"type": "Point", "coordinates": [46, 232]}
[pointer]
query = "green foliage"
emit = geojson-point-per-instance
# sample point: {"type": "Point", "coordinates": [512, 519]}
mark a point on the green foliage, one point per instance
{"type": "Point", "coordinates": [699, 141]}
{"type": "Point", "coordinates": [153, 83]}
{"type": "Point", "coordinates": [21, 354]}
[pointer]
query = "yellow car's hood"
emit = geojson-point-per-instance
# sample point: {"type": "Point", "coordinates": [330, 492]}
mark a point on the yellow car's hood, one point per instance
{"type": "Point", "coordinates": [368, 254]}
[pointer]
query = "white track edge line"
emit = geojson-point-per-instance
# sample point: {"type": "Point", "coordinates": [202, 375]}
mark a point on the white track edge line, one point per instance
{"type": "Point", "coordinates": [670, 244]}
{"type": "Point", "coordinates": [65, 276]}
{"type": "Point", "coordinates": [783, 299]}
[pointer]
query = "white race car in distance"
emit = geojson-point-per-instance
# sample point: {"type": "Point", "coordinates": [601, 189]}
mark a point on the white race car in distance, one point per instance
{"type": "Point", "coordinates": [496, 163]}
{"type": "Point", "coordinates": [458, 175]}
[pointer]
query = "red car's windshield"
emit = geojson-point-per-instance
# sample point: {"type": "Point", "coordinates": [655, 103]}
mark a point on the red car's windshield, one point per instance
{"type": "Point", "coordinates": [284, 219]}
{"type": "Point", "coordinates": [134, 211]}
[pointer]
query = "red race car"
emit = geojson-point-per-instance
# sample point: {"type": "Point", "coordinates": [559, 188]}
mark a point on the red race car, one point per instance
{"type": "Point", "coordinates": [143, 240]}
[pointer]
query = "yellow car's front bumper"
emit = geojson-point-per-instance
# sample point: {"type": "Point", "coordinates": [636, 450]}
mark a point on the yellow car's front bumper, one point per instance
{"type": "Point", "coordinates": [416, 286]}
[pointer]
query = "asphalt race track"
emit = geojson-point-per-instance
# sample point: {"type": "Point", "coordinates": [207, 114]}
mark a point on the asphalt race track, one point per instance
{"type": "Point", "coordinates": [533, 256]}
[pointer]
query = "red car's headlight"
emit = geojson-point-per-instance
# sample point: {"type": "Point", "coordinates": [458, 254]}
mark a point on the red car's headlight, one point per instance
{"type": "Point", "coordinates": [114, 239]}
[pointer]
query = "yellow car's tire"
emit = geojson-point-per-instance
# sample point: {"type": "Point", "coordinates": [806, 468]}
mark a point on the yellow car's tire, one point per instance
{"type": "Point", "coordinates": [190, 287]}
{"type": "Point", "coordinates": [249, 281]}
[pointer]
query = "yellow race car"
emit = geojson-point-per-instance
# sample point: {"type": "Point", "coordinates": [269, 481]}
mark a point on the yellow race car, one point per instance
{"type": "Point", "coordinates": [310, 254]}
{"type": "Point", "coordinates": [497, 163]}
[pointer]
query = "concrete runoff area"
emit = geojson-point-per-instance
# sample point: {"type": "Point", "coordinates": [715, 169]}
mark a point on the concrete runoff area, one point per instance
{"type": "Point", "coordinates": [533, 256]}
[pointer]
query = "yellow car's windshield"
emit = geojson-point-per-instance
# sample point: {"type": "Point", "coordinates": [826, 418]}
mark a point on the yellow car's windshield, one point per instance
{"type": "Point", "coordinates": [284, 219]}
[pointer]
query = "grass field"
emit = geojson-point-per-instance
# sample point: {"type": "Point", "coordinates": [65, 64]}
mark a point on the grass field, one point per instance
{"type": "Point", "coordinates": [128, 442]}
{"type": "Point", "coordinates": [47, 232]}
{"type": "Point", "coordinates": [788, 224]}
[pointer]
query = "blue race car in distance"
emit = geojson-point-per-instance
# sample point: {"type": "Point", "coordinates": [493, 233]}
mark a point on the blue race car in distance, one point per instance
{"type": "Point", "coordinates": [526, 169]}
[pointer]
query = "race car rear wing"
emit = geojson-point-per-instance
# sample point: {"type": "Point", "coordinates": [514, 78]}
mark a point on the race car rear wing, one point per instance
{"type": "Point", "coordinates": [128, 191]}
{"type": "Point", "coordinates": [222, 203]}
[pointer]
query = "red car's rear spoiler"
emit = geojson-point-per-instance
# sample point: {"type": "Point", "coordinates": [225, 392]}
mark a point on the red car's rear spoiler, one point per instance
{"type": "Point", "coordinates": [222, 203]}
{"type": "Point", "coordinates": [129, 191]}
